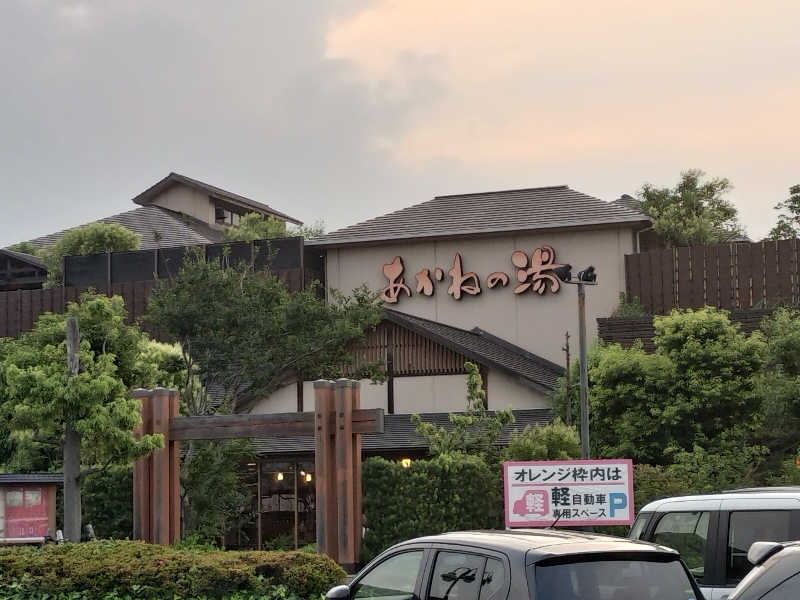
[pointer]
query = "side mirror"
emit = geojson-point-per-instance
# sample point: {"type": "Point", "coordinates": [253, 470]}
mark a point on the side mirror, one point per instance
{"type": "Point", "coordinates": [340, 592]}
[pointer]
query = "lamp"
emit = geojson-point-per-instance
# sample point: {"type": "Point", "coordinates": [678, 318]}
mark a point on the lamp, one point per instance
{"type": "Point", "coordinates": [405, 462]}
{"type": "Point", "coordinates": [279, 476]}
{"type": "Point", "coordinates": [308, 477]}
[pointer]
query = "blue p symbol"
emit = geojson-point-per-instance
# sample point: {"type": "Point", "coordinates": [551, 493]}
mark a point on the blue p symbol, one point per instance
{"type": "Point", "coordinates": [616, 502]}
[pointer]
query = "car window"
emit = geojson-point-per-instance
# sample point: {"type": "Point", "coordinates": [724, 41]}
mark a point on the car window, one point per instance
{"type": "Point", "coordinates": [746, 527]}
{"type": "Point", "coordinates": [611, 579]}
{"type": "Point", "coordinates": [686, 532]}
{"type": "Point", "coordinates": [788, 590]}
{"type": "Point", "coordinates": [494, 579]}
{"type": "Point", "coordinates": [638, 526]}
{"type": "Point", "coordinates": [456, 576]}
{"type": "Point", "coordinates": [392, 579]}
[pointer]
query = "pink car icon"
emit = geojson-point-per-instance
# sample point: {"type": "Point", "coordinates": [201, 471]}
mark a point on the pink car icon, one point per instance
{"type": "Point", "coordinates": [533, 502]}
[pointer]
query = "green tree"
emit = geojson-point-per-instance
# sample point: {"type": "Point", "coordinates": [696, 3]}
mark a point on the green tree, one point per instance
{"type": "Point", "coordinates": [25, 248]}
{"type": "Point", "coordinates": [693, 212]}
{"type": "Point", "coordinates": [242, 330]}
{"type": "Point", "coordinates": [474, 431]}
{"type": "Point", "coordinates": [90, 416]}
{"type": "Point", "coordinates": [788, 225]}
{"type": "Point", "coordinates": [93, 238]}
{"type": "Point", "coordinates": [699, 384]}
{"type": "Point", "coordinates": [255, 226]}
{"type": "Point", "coordinates": [555, 441]}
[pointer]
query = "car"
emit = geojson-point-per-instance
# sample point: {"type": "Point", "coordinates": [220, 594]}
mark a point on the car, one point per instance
{"type": "Point", "coordinates": [776, 574]}
{"type": "Point", "coordinates": [713, 532]}
{"type": "Point", "coordinates": [541, 564]}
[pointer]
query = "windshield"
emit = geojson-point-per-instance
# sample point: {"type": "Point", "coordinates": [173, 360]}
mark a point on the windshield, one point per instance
{"type": "Point", "coordinates": [610, 578]}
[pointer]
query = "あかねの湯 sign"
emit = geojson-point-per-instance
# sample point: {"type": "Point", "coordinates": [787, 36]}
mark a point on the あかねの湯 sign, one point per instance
{"type": "Point", "coordinates": [572, 492]}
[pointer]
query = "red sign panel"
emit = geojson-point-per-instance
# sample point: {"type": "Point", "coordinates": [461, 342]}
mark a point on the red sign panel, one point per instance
{"type": "Point", "coordinates": [26, 512]}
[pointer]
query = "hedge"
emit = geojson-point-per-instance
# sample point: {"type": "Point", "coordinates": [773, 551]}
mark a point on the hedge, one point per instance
{"type": "Point", "coordinates": [135, 570]}
{"type": "Point", "coordinates": [446, 493]}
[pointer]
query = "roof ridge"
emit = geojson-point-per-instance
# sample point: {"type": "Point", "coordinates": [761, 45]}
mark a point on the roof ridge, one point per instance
{"type": "Point", "coordinates": [562, 186]}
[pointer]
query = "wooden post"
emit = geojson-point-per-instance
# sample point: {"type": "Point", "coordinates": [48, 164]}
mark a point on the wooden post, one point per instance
{"type": "Point", "coordinates": [258, 500]}
{"type": "Point", "coordinates": [156, 485]}
{"type": "Point", "coordinates": [344, 472]}
{"type": "Point", "coordinates": [355, 445]}
{"type": "Point", "coordinates": [325, 471]}
{"type": "Point", "coordinates": [296, 467]}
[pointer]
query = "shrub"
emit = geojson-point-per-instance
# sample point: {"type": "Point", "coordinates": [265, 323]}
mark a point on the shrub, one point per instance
{"type": "Point", "coordinates": [447, 493]}
{"type": "Point", "coordinates": [128, 569]}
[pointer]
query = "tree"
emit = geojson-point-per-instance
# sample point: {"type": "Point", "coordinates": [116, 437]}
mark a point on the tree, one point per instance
{"type": "Point", "coordinates": [474, 431]}
{"type": "Point", "coordinates": [693, 212]}
{"type": "Point", "coordinates": [788, 225]}
{"type": "Point", "coordinates": [85, 410]}
{"type": "Point", "coordinates": [699, 384]}
{"type": "Point", "coordinates": [243, 331]}
{"type": "Point", "coordinates": [93, 238]}
{"type": "Point", "coordinates": [555, 441]}
{"type": "Point", "coordinates": [25, 248]}
{"type": "Point", "coordinates": [255, 226]}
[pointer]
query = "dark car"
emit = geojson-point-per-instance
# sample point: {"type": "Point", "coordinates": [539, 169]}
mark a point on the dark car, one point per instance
{"type": "Point", "coordinates": [522, 565]}
{"type": "Point", "coordinates": [776, 575]}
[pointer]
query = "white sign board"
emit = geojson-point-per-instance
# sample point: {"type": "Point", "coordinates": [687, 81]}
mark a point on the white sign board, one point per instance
{"type": "Point", "coordinates": [572, 492]}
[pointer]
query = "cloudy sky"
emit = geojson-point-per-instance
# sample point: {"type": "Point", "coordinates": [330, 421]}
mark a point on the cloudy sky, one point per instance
{"type": "Point", "coordinates": [345, 109]}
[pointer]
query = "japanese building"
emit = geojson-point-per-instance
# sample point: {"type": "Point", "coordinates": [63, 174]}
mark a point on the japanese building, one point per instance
{"type": "Point", "coordinates": [467, 277]}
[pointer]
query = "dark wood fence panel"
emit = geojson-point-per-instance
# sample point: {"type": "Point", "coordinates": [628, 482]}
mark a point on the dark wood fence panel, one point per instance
{"type": "Point", "coordinates": [412, 354]}
{"type": "Point", "coordinates": [626, 331]}
{"type": "Point", "coordinates": [733, 276]}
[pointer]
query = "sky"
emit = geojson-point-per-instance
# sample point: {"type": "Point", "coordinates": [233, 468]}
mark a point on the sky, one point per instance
{"type": "Point", "coordinates": [342, 110]}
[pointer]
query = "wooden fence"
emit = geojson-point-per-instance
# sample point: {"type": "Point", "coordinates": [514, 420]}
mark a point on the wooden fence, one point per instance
{"type": "Point", "coordinates": [19, 309]}
{"type": "Point", "coordinates": [627, 330]}
{"type": "Point", "coordinates": [732, 276]}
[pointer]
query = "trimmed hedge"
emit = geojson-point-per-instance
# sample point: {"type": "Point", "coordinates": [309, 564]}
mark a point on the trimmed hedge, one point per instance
{"type": "Point", "coordinates": [445, 493]}
{"type": "Point", "coordinates": [129, 569]}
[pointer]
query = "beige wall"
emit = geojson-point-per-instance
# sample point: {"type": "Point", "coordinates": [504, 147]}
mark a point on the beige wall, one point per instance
{"type": "Point", "coordinates": [534, 322]}
{"type": "Point", "coordinates": [186, 200]}
{"type": "Point", "coordinates": [503, 390]}
{"type": "Point", "coordinates": [441, 393]}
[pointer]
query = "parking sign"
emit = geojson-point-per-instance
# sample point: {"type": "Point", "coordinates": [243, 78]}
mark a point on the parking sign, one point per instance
{"type": "Point", "coordinates": [571, 492]}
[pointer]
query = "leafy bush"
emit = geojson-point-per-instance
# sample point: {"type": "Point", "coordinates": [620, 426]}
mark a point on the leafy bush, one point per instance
{"type": "Point", "coordinates": [429, 497]}
{"type": "Point", "coordinates": [629, 307]}
{"type": "Point", "coordinates": [127, 569]}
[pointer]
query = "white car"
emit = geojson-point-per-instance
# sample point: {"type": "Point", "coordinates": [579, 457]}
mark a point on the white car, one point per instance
{"type": "Point", "coordinates": [714, 532]}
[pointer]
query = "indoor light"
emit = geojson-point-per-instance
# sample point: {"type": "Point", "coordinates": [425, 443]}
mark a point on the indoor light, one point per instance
{"type": "Point", "coordinates": [308, 477]}
{"type": "Point", "coordinates": [279, 476]}
{"type": "Point", "coordinates": [406, 462]}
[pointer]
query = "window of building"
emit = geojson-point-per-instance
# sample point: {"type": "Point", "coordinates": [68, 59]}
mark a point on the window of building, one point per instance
{"type": "Point", "coordinates": [223, 216]}
{"type": "Point", "coordinates": [33, 497]}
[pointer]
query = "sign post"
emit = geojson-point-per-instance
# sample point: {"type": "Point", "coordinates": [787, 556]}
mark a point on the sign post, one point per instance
{"type": "Point", "coordinates": [568, 492]}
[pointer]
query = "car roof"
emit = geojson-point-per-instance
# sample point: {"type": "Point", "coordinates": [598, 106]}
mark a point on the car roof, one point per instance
{"type": "Point", "coordinates": [778, 567]}
{"type": "Point", "coordinates": [765, 493]}
{"type": "Point", "coordinates": [541, 543]}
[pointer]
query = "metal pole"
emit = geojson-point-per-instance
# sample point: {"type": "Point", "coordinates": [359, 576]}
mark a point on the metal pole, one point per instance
{"type": "Point", "coordinates": [584, 381]}
{"type": "Point", "coordinates": [295, 506]}
{"type": "Point", "coordinates": [569, 383]}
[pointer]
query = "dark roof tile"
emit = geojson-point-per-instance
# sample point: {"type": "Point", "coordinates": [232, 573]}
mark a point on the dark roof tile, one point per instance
{"type": "Point", "coordinates": [399, 434]}
{"type": "Point", "coordinates": [488, 212]}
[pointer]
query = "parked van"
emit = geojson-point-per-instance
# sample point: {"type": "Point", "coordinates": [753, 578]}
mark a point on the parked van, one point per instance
{"type": "Point", "coordinates": [714, 532]}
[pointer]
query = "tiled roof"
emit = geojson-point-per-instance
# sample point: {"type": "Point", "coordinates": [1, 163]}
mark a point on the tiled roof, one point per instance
{"type": "Point", "coordinates": [175, 229]}
{"type": "Point", "coordinates": [9, 478]}
{"type": "Point", "coordinates": [489, 212]}
{"type": "Point", "coordinates": [176, 178]}
{"type": "Point", "coordinates": [26, 258]}
{"type": "Point", "coordinates": [399, 434]}
{"type": "Point", "coordinates": [486, 349]}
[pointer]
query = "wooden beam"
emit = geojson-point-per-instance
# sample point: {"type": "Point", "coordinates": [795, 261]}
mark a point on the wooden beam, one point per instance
{"type": "Point", "coordinates": [367, 420]}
